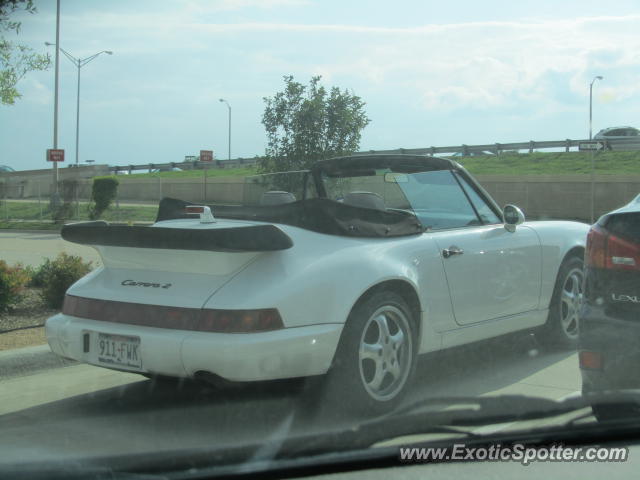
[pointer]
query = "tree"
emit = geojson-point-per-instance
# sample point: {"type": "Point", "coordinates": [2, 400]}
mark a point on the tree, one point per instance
{"type": "Point", "coordinates": [16, 60]}
{"type": "Point", "coordinates": [306, 123]}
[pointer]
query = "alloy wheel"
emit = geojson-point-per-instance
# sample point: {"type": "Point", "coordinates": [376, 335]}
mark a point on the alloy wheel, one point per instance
{"type": "Point", "coordinates": [571, 301]}
{"type": "Point", "coordinates": [385, 353]}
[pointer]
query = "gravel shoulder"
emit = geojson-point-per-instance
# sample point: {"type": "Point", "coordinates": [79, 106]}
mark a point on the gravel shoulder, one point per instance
{"type": "Point", "coordinates": [22, 326]}
{"type": "Point", "coordinates": [22, 338]}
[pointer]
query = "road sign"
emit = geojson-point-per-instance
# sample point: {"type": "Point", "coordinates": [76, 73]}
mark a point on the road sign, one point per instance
{"type": "Point", "coordinates": [206, 155]}
{"type": "Point", "coordinates": [597, 146]}
{"type": "Point", "coordinates": [55, 155]}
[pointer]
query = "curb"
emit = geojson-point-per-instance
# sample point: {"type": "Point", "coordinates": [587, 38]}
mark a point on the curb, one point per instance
{"type": "Point", "coordinates": [20, 230]}
{"type": "Point", "coordinates": [28, 360]}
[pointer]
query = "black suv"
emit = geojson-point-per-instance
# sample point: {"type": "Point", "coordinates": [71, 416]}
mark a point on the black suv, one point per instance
{"type": "Point", "coordinates": [609, 334]}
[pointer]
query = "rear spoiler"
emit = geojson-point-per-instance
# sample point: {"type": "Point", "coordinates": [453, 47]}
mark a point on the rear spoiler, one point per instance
{"type": "Point", "coordinates": [257, 238]}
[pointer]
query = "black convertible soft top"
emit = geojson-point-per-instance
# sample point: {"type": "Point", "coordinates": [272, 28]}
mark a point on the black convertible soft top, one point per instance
{"type": "Point", "coordinates": [324, 215]}
{"type": "Point", "coordinates": [316, 214]}
{"type": "Point", "coordinates": [345, 166]}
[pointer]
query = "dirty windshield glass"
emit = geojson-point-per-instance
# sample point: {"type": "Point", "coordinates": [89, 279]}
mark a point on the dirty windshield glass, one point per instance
{"type": "Point", "coordinates": [299, 237]}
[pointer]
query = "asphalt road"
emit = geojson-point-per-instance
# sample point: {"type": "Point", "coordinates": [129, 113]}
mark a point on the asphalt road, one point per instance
{"type": "Point", "coordinates": [54, 412]}
{"type": "Point", "coordinates": [50, 409]}
{"type": "Point", "coordinates": [32, 248]}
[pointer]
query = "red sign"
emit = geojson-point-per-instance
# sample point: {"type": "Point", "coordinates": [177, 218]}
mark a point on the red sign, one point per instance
{"type": "Point", "coordinates": [206, 155]}
{"type": "Point", "coordinates": [55, 155]}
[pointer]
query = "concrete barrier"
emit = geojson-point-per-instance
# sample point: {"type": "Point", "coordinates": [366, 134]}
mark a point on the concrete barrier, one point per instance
{"type": "Point", "coordinates": [194, 189]}
{"type": "Point", "coordinates": [539, 196]}
{"type": "Point", "coordinates": [38, 183]}
{"type": "Point", "coordinates": [553, 196]}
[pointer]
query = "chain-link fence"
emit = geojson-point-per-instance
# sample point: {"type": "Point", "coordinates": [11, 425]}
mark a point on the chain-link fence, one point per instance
{"type": "Point", "coordinates": [32, 200]}
{"type": "Point", "coordinates": [35, 200]}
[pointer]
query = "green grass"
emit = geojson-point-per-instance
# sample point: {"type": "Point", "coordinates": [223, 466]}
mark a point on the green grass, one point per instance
{"type": "Point", "coordinates": [213, 172]}
{"type": "Point", "coordinates": [17, 225]}
{"type": "Point", "coordinates": [33, 212]}
{"type": "Point", "coordinates": [557, 163]}
{"type": "Point", "coordinates": [538, 163]}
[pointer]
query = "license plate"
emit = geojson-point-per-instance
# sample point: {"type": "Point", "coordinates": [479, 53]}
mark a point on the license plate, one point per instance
{"type": "Point", "coordinates": [118, 351]}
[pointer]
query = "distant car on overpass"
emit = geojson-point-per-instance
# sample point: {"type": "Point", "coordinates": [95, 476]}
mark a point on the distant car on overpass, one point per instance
{"type": "Point", "coordinates": [6, 169]}
{"type": "Point", "coordinates": [620, 133]}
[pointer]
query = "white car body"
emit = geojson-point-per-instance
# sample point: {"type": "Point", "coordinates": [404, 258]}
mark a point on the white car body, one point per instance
{"type": "Point", "coordinates": [503, 283]}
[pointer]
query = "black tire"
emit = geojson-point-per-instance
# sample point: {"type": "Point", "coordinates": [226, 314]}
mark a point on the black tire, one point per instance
{"type": "Point", "coordinates": [163, 379]}
{"type": "Point", "coordinates": [367, 380]}
{"type": "Point", "coordinates": [613, 413]}
{"type": "Point", "coordinates": [561, 329]}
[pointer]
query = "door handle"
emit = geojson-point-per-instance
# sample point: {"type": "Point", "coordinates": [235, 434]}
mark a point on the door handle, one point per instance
{"type": "Point", "coordinates": [452, 250]}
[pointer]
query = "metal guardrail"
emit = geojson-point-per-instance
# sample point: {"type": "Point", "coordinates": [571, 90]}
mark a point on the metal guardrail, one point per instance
{"type": "Point", "coordinates": [632, 143]}
{"type": "Point", "coordinates": [191, 165]}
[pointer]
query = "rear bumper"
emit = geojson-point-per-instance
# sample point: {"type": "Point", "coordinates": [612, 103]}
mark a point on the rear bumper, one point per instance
{"type": "Point", "coordinates": [618, 343]}
{"type": "Point", "coordinates": [286, 353]}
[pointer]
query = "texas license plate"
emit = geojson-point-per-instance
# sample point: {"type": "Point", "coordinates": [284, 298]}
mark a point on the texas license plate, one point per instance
{"type": "Point", "coordinates": [118, 351]}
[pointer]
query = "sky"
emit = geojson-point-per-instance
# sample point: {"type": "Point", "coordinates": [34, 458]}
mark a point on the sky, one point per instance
{"type": "Point", "coordinates": [432, 73]}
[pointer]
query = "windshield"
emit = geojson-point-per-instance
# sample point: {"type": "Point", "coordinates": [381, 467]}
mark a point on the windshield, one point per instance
{"type": "Point", "coordinates": [236, 234]}
{"type": "Point", "coordinates": [440, 199]}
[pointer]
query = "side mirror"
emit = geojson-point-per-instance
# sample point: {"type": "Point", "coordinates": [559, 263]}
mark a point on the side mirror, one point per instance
{"type": "Point", "coordinates": [513, 217]}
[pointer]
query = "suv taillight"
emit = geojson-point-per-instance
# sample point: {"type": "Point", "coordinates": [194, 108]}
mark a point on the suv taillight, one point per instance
{"type": "Point", "coordinates": [605, 250]}
{"type": "Point", "coordinates": [596, 247]}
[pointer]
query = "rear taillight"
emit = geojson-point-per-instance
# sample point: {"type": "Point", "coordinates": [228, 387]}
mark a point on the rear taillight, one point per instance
{"type": "Point", "coordinates": [194, 209]}
{"type": "Point", "coordinates": [239, 321]}
{"type": "Point", "coordinates": [596, 247]}
{"type": "Point", "coordinates": [590, 360]}
{"type": "Point", "coordinates": [176, 318]}
{"type": "Point", "coordinates": [622, 254]}
{"type": "Point", "coordinates": [205, 213]}
{"type": "Point", "coordinates": [605, 250]}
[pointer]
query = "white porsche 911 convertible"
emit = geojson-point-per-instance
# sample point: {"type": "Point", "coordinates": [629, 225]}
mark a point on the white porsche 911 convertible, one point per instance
{"type": "Point", "coordinates": [349, 270]}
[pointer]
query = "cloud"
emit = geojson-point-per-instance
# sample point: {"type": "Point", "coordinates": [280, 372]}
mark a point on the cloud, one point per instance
{"type": "Point", "coordinates": [492, 64]}
{"type": "Point", "coordinates": [474, 64]}
{"type": "Point", "coordinates": [34, 91]}
{"type": "Point", "coordinates": [215, 6]}
{"type": "Point", "coordinates": [482, 62]}
{"type": "Point", "coordinates": [450, 66]}
{"type": "Point", "coordinates": [176, 59]}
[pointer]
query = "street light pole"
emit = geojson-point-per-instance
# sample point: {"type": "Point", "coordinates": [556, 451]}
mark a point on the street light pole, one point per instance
{"type": "Point", "coordinates": [54, 197]}
{"type": "Point", "coordinates": [78, 114]}
{"type": "Point", "coordinates": [598, 77]}
{"type": "Point", "coordinates": [229, 145]}
{"type": "Point", "coordinates": [79, 63]}
{"type": "Point", "coordinates": [593, 158]}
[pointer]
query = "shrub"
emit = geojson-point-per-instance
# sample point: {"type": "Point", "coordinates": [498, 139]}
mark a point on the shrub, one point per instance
{"type": "Point", "coordinates": [12, 282]}
{"type": "Point", "coordinates": [29, 272]}
{"type": "Point", "coordinates": [103, 192]}
{"type": "Point", "coordinates": [37, 274]}
{"type": "Point", "coordinates": [58, 275]}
